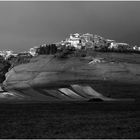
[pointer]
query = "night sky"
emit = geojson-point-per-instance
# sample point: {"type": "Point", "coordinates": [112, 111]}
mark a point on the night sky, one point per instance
{"type": "Point", "coordinates": [27, 24]}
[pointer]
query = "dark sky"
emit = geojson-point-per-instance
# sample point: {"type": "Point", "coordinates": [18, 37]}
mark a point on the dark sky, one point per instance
{"type": "Point", "coordinates": [26, 24]}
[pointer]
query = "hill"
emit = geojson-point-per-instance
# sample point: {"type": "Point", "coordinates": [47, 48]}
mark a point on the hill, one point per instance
{"type": "Point", "coordinates": [105, 72]}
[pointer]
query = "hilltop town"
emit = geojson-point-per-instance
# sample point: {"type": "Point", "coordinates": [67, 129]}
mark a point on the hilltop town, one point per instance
{"type": "Point", "coordinates": [75, 42]}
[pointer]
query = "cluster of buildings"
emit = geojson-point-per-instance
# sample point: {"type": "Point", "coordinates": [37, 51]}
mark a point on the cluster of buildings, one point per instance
{"type": "Point", "coordinates": [34, 51]}
{"type": "Point", "coordinates": [7, 53]}
{"type": "Point", "coordinates": [89, 41]}
{"type": "Point", "coordinates": [77, 41]}
{"type": "Point", "coordinates": [95, 42]}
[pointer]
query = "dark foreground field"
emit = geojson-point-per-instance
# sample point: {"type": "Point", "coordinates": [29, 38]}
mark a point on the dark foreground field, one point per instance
{"type": "Point", "coordinates": [70, 120]}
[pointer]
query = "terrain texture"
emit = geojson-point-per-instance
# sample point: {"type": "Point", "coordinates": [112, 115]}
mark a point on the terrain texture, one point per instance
{"type": "Point", "coordinates": [99, 70]}
{"type": "Point", "coordinates": [92, 119]}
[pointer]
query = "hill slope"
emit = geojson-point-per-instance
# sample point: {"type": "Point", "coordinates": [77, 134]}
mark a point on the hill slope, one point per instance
{"type": "Point", "coordinates": [50, 72]}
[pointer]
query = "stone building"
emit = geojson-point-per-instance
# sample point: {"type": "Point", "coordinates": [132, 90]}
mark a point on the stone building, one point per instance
{"type": "Point", "coordinates": [79, 41]}
{"type": "Point", "coordinates": [33, 51]}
